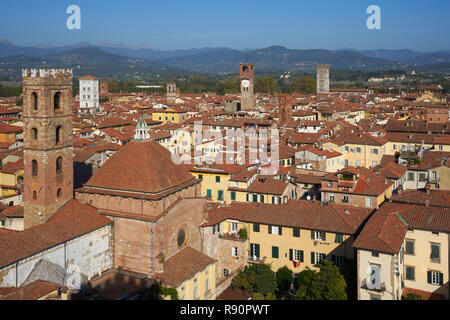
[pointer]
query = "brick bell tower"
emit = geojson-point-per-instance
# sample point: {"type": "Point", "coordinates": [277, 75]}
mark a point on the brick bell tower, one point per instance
{"type": "Point", "coordinates": [285, 107]}
{"type": "Point", "coordinates": [247, 76]}
{"type": "Point", "coordinates": [48, 143]}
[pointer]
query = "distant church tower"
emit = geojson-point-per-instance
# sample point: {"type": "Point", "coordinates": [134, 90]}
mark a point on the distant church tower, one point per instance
{"type": "Point", "coordinates": [172, 92]}
{"type": "Point", "coordinates": [48, 145]}
{"type": "Point", "coordinates": [323, 78]}
{"type": "Point", "coordinates": [89, 95]}
{"type": "Point", "coordinates": [247, 76]}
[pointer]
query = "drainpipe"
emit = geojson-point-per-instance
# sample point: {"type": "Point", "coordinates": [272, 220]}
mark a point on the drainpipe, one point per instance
{"type": "Point", "coordinates": [17, 274]}
{"type": "Point", "coordinates": [153, 253]}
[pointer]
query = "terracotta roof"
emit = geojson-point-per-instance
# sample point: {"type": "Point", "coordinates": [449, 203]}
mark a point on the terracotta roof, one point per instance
{"type": "Point", "coordinates": [13, 212]}
{"type": "Point", "coordinates": [6, 128]}
{"type": "Point", "coordinates": [233, 294]}
{"type": "Point", "coordinates": [13, 167]}
{"type": "Point", "coordinates": [386, 228]}
{"type": "Point", "coordinates": [73, 220]}
{"type": "Point", "coordinates": [89, 77]}
{"type": "Point", "coordinates": [425, 295]}
{"type": "Point", "coordinates": [383, 232]}
{"type": "Point", "coordinates": [140, 166]}
{"type": "Point", "coordinates": [268, 185]}
{"type": "Point", "coordinates": [296, 213]}
{"type": "Point", "coordinates": [184, 265]}
{"type": "Point", "coordinates": [434, 198]}
{"type": "Point", "coordinates": [32, 291]}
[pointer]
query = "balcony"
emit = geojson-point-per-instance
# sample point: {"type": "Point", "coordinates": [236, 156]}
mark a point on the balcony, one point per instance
{"type": "Point", "coordinates": [435, 260]}
{"type": "Point", "coordinates": [256, 260]}
{"type": "Point", "coordinates": [434, 180]}
{"type": "Point", "coordinates": [380, 289]}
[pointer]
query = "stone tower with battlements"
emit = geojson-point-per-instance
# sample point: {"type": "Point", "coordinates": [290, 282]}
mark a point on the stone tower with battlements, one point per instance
{"type": "Point", "coordinates": [323, 78]}
{"type": "Point", "coordinates": [48, 143]}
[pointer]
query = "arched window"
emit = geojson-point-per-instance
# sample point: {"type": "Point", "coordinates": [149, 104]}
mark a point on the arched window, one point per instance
{"type": "Point", "coordinates": [59, 166]}
{"type": "Point", "coordinates": [34, 167]}
{"type": "Point", "coordinates": [34, 195]}
{"type": "Point", "coordinates": [58, 134]}
{"type": "Point", "coordinates": [34, 100]}
{"type": "Point", "coordinates": [56, 101]}
{"type": "Point", "coordinates": [35, 133]}
{"type": "Point", "coordinates": [59, 193]}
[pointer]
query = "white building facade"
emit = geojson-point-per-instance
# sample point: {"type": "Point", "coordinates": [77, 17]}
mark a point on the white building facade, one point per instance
{"type": "Point", "coordinates": [89, 95]}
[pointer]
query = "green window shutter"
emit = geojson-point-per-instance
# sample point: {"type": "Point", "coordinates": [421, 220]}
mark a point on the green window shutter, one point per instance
{"type": "Point", "coordinates": [301, 255]}
{"type": "Point", "coordinates": [257, 250]}
{"type": "Point", "coordinates": [275, 252]}
{"type": "Point", "coordinates": [280, 230]}
{"type": "Point", "coordinates": [441, 279]}
{"type": "Point", "coordinates": [324, 236]}
{"type": "Point", "coordinates": [233, 195]}
{"type": "Point", "coordinates": [246, 196]}
{"type": "Point", "coordinates": [312, 234]}
{"type": "Point", "coordinates": [270, 229]}
{"type": "Point", "coordinates": [333, 258]}
{"type": "Point", "coordinates": [273, 200]}
{"type": "Point", "coordinates": [409, 247]}
{"type": "Point", "coordinates": [312, 258]}
{"type": "Point", "coordinates": [339, 238]}
{"type": "Point", "coordinates": [291, 254]}
{"type": "Point", "coordinates": [296, 232]}
{"type": "Point", "coordinates": [256, 227]}
{"type": "Point", "coordinates": [261, 198]}
{"type": "Point", "coordinates": [435, 254]}
{"type": "Point", "coordinates": [429, 277]}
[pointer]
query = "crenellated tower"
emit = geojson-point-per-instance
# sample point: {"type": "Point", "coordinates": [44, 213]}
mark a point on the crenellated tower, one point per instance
{"type": "Point", "coordinates": [48, 143]}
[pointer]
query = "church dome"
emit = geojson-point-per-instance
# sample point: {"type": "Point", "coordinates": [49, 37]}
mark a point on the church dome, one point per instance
{"type": "Point", "coordinates": [140, 166]}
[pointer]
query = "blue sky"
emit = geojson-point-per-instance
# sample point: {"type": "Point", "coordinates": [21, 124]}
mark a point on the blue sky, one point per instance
{"type": "Point", "coordinates": [181, 24]}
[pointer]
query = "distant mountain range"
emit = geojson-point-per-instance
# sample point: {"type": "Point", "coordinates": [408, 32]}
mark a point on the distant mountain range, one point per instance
{"type": "Point", "coordinates": [91, 60]}
{"type": "Point", "coordinates": [107, 60]}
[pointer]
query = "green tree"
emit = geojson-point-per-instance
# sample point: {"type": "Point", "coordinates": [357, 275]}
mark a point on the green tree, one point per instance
{"type": "Point", "coordinates": [245, 279]}
{"type": "Point", "coordinates": [327, 284]}
{"type": "Point", "coordinates": [305, 85]}
{"type": "Point", "coordinates": [266, 85]}
{"type": "Point", "coordinates": [260, 296]}
{"type": "Point", "coordinates": [265, 280]}
{"type": "Point", "coordinates": [308, 285]}
{"type": "Point", "coordinates": [256, 278]}
{"type": "Point", "coordinates": [284, 278]}
{"type": "Point", "coordinates": [413, 296]}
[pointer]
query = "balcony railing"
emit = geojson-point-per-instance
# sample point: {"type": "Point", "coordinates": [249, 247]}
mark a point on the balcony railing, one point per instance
{"type": "Point", "coordinates": [371, 287]}
{"type": "Point", "coordinates": [256, 260]}
{"type": "Point", "coordinates": [435, 260]}
{"type": "Point", "coordinates": [434, 180]}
